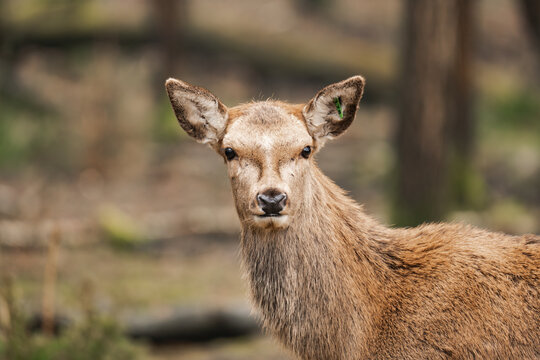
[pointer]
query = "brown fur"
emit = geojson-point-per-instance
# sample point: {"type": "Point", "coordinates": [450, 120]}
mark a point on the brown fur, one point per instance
{"type": "Point", "coordinates": [332, 283]}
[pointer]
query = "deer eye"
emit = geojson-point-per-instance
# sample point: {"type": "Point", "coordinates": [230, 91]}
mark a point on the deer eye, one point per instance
{"type": "Point", "coordinates": [230, 153]}
{"type": "Point", "coordinates": [306, 152]}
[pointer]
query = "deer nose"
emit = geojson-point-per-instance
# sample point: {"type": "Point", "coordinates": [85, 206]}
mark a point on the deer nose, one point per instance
{"type": "Point", "coordinates": [272, 201]}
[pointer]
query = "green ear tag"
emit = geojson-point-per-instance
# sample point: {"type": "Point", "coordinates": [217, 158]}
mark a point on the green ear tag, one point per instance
{"type": "Point", "coordinates": [337, 102]}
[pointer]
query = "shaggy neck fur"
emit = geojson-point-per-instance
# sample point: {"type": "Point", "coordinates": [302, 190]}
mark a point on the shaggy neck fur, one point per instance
{"type": "Point", "coordinates": [318, 283]}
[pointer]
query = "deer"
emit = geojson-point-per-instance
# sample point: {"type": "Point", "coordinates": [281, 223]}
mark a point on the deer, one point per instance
{"type": "Point", "coordinates": [331, 282]}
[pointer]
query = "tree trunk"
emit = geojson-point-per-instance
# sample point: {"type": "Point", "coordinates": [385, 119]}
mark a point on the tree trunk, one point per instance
{"type": "Point", "coordinates": [463, 132]}
{"type": "Point", "coordinates": [530, 10]}
{"type": "Point", "coordinates": [531, 15]}
{"type": "Point", "coordinates": [460, 111]}
{"type": "Point", "coordinates": [170, 21]}
{"type": "Point", "coordinates": [422, 155]}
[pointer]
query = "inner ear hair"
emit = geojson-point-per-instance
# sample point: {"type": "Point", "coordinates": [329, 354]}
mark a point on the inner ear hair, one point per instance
{"type": "Point", "coordinates": [333, 109]}
{"type": "Point", "coordinates": [198, 111]}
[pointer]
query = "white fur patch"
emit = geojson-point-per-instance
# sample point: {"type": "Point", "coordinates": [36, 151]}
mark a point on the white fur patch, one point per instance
{"type": "Point", "coordinates": [266, 142]}
{"type": "Point", "coordinates": [274, 222]}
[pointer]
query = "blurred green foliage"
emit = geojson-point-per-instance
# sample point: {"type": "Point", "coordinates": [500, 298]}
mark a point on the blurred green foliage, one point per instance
{"type": "Point", "coordinates": [164, 128]}
{"type": "Point", "coordinates": [30, 132]}
{"type": "Point", "coordinates": [467, 184]}
{"type": "Point", "coordinates": [516, 109]}
{"type": "Point", "coordinates": [94, 338]}
{"type": "Point", "coordinates": [119, 229]}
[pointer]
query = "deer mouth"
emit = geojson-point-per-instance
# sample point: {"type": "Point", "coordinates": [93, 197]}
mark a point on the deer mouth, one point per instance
{"type": "Point", "coordinates": [271, 221]}
{"type": "Point", "coordinates": [270, 215]}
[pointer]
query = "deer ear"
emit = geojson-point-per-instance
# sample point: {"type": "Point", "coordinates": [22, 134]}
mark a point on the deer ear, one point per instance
{"type": "Point", "coordinates": [198, 111]}
{"type": "Point", "coordinates": [332, 110]}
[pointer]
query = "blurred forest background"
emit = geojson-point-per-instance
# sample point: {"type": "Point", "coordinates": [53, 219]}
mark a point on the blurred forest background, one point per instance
{"type": "Point", "coordinates": [114, 225]}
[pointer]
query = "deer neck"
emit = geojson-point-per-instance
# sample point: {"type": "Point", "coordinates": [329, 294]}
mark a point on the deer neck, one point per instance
{"type": "Point", "coordinates": [310, 277]}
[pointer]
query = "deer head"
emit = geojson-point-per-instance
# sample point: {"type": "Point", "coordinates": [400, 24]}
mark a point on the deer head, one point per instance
{"type": "Point", "coordinates": [268, 146]}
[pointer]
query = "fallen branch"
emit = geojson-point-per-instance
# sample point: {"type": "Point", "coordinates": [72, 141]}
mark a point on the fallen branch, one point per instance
{"type": "Point", "coordinates": [191, 325]}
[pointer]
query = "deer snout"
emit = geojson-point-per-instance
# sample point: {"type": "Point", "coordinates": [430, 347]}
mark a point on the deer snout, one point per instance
{"type": "Point", "coordinates": [272, 202]}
